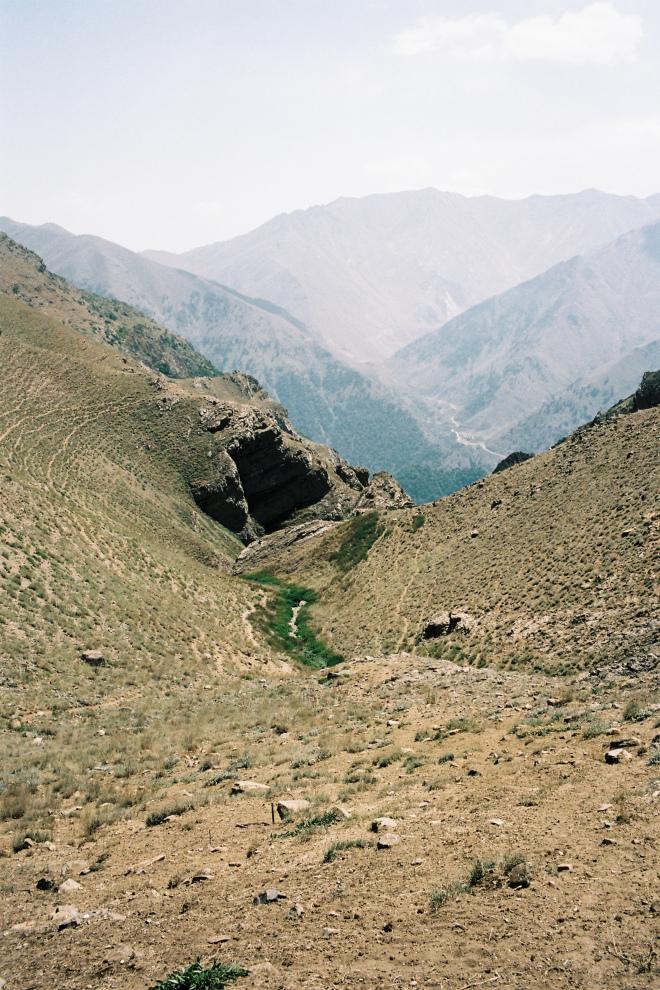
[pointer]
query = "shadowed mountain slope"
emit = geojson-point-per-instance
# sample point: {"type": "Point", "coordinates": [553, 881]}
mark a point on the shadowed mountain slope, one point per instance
{"type": "Point", "coordinates": [525, 367]}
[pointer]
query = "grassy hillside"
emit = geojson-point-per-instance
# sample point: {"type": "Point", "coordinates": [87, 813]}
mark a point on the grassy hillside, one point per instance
{"type": "Point", "coordinates": [24, 276]}
{"type": "Point", "coordinates": [552, 561]}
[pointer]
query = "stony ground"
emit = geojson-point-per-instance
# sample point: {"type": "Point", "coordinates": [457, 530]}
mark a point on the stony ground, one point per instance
{"type": "Point", "coordinates": [471, 764]}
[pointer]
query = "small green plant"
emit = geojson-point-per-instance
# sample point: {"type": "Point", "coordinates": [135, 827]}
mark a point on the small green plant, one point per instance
{"type": "Point", "coordinates": [336, 847]}
{"type": "Point", "coordinates": [446, 758]}
{"type": "Point", "coordinates": [417, 522]}
{"type": "Point", "coordinates": [363, 531]}
{"type": "Point", "coordinates": [310, 825]}
{"type": "Point", "coordinates": [198, 977]}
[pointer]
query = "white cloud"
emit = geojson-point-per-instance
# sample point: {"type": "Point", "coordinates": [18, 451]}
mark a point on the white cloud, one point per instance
{"type": "Point", "coordinates": [597, 33]}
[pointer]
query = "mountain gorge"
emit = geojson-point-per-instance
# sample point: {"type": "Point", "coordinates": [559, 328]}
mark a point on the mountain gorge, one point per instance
{"type": "Point", "coordinates": [563, 345]}
{"type": "Point", "coordinates": [326, 399]}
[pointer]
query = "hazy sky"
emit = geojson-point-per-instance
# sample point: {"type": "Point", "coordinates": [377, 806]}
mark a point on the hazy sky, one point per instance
{"type": "Point", "coordinates": [172, 123]}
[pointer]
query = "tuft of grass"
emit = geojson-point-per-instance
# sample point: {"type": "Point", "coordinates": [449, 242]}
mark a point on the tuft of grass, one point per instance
{"type": "Point", "coordinates": [481, 869]}
{"type": "Point", "coordinates": [198, 977]}
{"type": "Point", "coordinates": [446, 758]}
{"type": "Point", "coordinates": [275, 620]}
{"type": "Point", "coordinates": [336, 847]}
{"type": "Point", "coordinates": [362, 533]}
{"type": "Point", "coordinates": [310, 825]}
{"type": "Point", "coordinates": [158, 817]}
{"type": "Point", "coordinates": [417, 522]}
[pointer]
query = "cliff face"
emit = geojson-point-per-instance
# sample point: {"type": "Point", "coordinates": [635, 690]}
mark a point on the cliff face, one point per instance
{"type": "Point", "coordinates": [260, 474]}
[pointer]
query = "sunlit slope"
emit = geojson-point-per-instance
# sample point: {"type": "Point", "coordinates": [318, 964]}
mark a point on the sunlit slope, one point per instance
{"type": "Point", "coordinates": [551, 562]}
{"type": "Point", "coordinates": [102, 545]}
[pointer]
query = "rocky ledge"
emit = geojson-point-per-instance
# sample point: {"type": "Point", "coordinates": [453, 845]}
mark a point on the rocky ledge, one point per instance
{"type": "Point", "coordinates": [261, 475]}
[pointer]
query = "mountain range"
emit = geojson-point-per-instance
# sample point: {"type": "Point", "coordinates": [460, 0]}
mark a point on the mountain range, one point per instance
{"type": "Point", "coordinates": [424, 333]}
{"type": "Point", "coordinates": [370, 275]}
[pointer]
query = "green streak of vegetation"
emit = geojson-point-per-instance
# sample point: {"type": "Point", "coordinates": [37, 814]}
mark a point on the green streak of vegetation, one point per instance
{"type": "Point", "coordinates": [275, 620]}
{"type": "Point", "coordinates": [158, 817]}
{"type": "Point", "coordinates": [363, 531]}
{"type": "Point", "coordinates": [418, 521]}
{"type": "Point", "coordinates": [197, 977]}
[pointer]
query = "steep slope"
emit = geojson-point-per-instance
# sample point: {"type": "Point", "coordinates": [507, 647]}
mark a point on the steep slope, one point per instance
{"type": "Point", "coordinates": [571, 328]}
{"type": "Point", "coordinates": [326, 400]}
{"type": "Point", "coordinates": [550, 564]}
{"type": "Point", "coordinates": [370, 275]}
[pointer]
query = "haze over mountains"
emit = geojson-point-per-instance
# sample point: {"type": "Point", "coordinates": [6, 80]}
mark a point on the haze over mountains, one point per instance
{"type": "Point", "coordinates": [588, 323]}
{"type": "Point", "coordinates": [371, 275]}
{"type": "Point", "coordinates": [425, 333]}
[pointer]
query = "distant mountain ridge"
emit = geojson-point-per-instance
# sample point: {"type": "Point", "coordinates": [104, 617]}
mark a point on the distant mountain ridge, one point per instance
{"type": "Point", "coordinates": [327, 400]}
{"type": "Point", "coordinates": [370, 275]}
{"type": "Point", "coordinates": [576, 336]}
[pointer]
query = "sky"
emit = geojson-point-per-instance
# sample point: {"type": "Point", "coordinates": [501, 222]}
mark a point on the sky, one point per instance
{"type": "Point", "coordinates": [174, 123]}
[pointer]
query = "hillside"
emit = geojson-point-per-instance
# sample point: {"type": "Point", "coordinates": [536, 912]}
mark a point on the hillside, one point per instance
{"type": "Point", "coordinates": [548, 565]}
{"type": "Point", "coordinates": [447, 810]}
{"type": "Point", "coordinates": [525, 367]}
{"type": "Point", "coordinates": [370, 275]}
{"type": "Point", "coordinates": [327, 400]}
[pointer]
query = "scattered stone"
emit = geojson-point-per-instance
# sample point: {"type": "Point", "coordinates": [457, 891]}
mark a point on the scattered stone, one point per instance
{"type": "Point", "coordinates": [70, 886]}
{"type": "Point", "coordinates": [44, 883]}
{"type": "Point", "coordinates": [496, 821]}
{"type": "Point", "coordinates": [201, 876]}
{"type": "Point", "coordinates": [564, 868]}
{"type": "Point", "coordinates": [383, 824]}
{"type": "Point", "coordinates": [295, 911]}
{"type": "Point", "coordinates": [269, 896]}
{"type": "Point", "coordinates": [605, 807]}
{"type": "Point", "coordinates": [341, 810]}
{"type": "Point", "coordinates": [388, 840]}
{"type": "Point", "coordinates": [614, 756]}
{"type": "Point", "coordinates": [329, 932]}
{"type": "Point", "coordinates": [291, 808]}
{"type": "Point", "coordinates": [93, 658]}
{"type": "Point", "coordinates": [608, 842]}
{"type": "Point", "coordinates": [519, 876]}
{"type": "Point", "coordinates": [417, 862]}
{"type": "Point", "coordinates": [218, 939]}
{"type": "Point", "coordinates": [388, 926]}
{"type": "Point", "coordinates": [249, 787]}
{"type": "Point", "coordinates": [65, 916]}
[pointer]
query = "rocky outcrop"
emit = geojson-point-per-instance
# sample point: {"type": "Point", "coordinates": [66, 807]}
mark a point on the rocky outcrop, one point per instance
{"type": "Point", "coordinates": [383, 492]}
{"type": "Point", "coordinates": [516, 457]}
{"type": "Point", "coordinates": [648, 394]}
{"type": "Point", "coordinates": [261, 475]}
{"type": "Point", "coordinates": [445, 623]}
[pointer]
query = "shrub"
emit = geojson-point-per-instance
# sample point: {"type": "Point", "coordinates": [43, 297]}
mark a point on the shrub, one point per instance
{"type": "Point", "coordinates": [158, 817]}
{"type": "Point", "coordinates": [363, 531]}
{"type": "Point", "coordinates": [196, 977]}
{"type": "Point", "coordinates": [331, 852]}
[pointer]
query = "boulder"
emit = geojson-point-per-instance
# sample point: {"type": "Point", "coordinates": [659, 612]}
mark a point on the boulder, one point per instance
{"type": "Point", "coordinates": [383, 824]}
{"type": "Point", "coordinates": [516, 457]}
{"type": "Point", "coordinates": [614, 756]}
{"type": "Point", "coordinates": [65, 916]}
{"type": "Point", "coordinates": [269, 896]}
{"type": "Point", "coordinates": [388, 840]}
{"type": "Point", "coordinates": [648, 394]}
{"type": "Point", "coordinates": [289, 808]}
{"type": "Point", "coordinates": [94, 658]}
{"type": "Point", "coordinates": [445, 623]}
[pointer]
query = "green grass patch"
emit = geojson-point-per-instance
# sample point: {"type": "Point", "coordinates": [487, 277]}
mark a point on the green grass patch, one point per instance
{"type": "Point", "coordinates": [417, 522]}
{"type": "Point", "coordinates": [275, 621]}
{"type": "Point", "coordinates": [337, 847]}
{"type": "Point", "coordinates": [310, 825]}
{"type": "Point", "coordinates": [174, 810]}
{"type": "Point", "coordinates": [198, 977]}
{"type": "Point", "coordinates": [362, 533]}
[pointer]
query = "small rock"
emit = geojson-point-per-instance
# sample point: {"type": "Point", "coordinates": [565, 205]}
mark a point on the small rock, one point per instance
{"type": "Point", "coordinates": [388, 840]}
{"type": "Point", "coordinates": [70, 886]}
{"type": "Point", "coordinates": [605, 807]}
{"type": "Point", "coordinates": [608, 842]}
{"type": "Point", "coordinates": [383, 824]}
{"type": "Point", "coordinates": [44, 883]}
{"type": "Point", "coordinates": [248, 787]}
{"type": "Point", "coordinates": [519, 876]}
{"type": "Point", "coordinates": [218, 939]}
{"type": "Point", "coordinates": [201, 876]}
{"type": "Point", "coordinates": [291, 808]}
{"type": "Point", "coordinates": [388, 926]}
{"type": "Point", "coordinates": [417, 862]}
{"type": "Point", "coordinates": [269, 896]}
{"type": "Point", "coordinates": [329, 932]}
{"type": "Point", "coordinates": [94, 658]}
{"type": "Point", "coordinates": [295, 911]}
{"type": "Point", "coordinates": [564, 868]}
{"type": "Point", "coordinates": [496, 821]}
{"type": "Point", "coordinates": [120, 954]}
{"type": "Point", "coordinates": [65, 916]}
{"type": "Point", "coordinates": [617, 756]}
